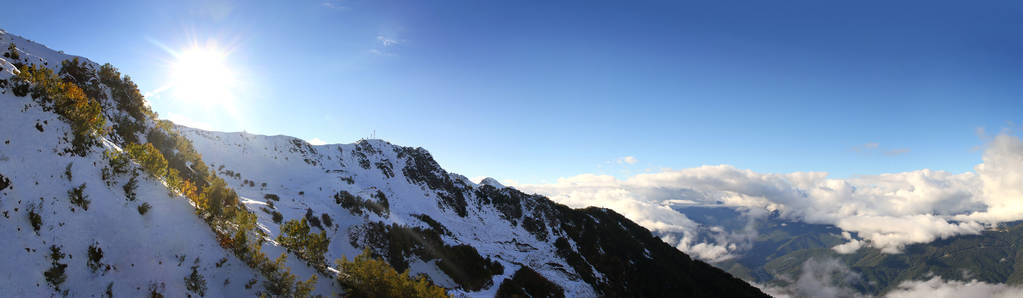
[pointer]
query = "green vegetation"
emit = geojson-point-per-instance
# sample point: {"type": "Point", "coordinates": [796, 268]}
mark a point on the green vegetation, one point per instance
{"type": "Point", "coordinates": [296, 236]}
{"type": "Point", "coordinates": [366, 276]}
{"type": "Point", "coordinates": [144, 208]}
{"type": "Point", "coordinates": [118, 161]}
{"type": "Point", "coordinates": [78, 198]}
{"type": "Point", "coordinates": [83, 76]}
{"type": "Point", "coordinates": [75, 95]}
{"type": "Point", "coordinates": [95, 255]}
{"type": "Point", "coordinates": [125, 93]}
{"type": "Point", "coordinates": [67, 171]}
{"type": "Point", "coordinates": [195, 282]}
{"type": "Point", "coordinates": [149, 158]}
{"type": "Point", "coordinates": [167, 156]}
{"type": "Point", "coordinates": [4, 182]}
{"type": "Point", "coordinates": [327, 221]}
{"type": "Point", "coordinates": [55, 275]}
{"type": "Point", "coordinates": [218, 200]}
{"type": "Point", "coordinates": [280, 282]}
{"type": "Point", "coordinates": [66, 99]}
{"type": "Point", "coordinates": [12, 52]}
{"type": "Point", "coordinates": [357, 204]}
{"type": "Point", "coordinates": [129, 188]}
{"type": "Point", "coordinates": [312, 219]}
{"type": "Point", "coordinates": [35, 219]}
{"type": "Point", "coordinates": [460, 262]}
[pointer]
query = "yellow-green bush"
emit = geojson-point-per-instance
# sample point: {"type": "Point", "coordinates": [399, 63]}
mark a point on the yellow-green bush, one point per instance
{"type": "Point", "coordinates": [66, 99]}
{"type": "Point", "coordinates": [149, 158]}
{"type": "Point", "coordinates": [366, 276]}
{"type": "Point", "coordinates": [295, 235]}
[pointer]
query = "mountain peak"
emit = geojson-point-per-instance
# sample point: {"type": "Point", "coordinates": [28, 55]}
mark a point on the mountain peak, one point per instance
{"type": "Point", "coordinates": [492, 182]}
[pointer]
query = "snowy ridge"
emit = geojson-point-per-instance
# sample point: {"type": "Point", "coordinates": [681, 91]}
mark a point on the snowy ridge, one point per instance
{"type": "Point", "coordinates": [503, 224]}
{"type": "Point", "coordinates": [140, 253]}
{"type": "Point", "coordinates": [474, 239]}
{"type": "Point", "coordinates": [305, 176]}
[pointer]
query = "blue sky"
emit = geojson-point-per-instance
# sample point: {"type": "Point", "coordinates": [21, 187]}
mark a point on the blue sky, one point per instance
{"type": "Point", "coordinates": [533, 91]}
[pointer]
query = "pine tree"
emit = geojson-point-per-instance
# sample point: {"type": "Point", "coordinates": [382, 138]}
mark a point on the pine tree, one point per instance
{"type": "Point", "coordinates": [12, 52]}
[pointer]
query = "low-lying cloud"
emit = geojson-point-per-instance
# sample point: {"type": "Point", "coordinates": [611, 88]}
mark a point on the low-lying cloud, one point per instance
{"type": "Point", "coordinates": [936, 287]}
{"type": "Point", "coordinates": [820, 278]}
{"type": "Point", "coordinates": [886, 211]}
{"type": "Point", "coordinates": [831, 278]}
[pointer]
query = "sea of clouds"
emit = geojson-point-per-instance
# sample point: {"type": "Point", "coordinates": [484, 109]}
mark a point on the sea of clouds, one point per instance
{"type": "Point", "coordinates": [886, 211]}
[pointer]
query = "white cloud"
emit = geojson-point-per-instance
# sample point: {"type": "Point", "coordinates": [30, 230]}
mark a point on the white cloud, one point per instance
{"type": "Point", "coordinates": [831, 278]}
{"type": "Point", "coordinates": [886, 211]}
{"type": "Point", "coordinates": [334, 4]}
{"type": "Point", "coordinates": [316, 141]}
{"type": "Point", "coordinates": [850, 246]}
{"type": "Point", "coordinates": [939, 288]}
{"type": "Point", "coordinates": [628, 160]}
{"type": "Point", "coordinates": [387, 41]}
{"type": "Point", "coordinates": [819, 278]}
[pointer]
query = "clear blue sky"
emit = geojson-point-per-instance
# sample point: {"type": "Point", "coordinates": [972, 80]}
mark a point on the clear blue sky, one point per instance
{"type": "Point", "coordinates": [533, 91]}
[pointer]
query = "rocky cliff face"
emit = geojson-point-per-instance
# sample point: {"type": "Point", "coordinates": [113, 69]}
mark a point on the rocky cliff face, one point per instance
{"type": "Point", "coordinates": [477, 238]}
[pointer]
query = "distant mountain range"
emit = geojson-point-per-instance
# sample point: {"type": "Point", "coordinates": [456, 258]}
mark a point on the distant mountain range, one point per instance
{"type": "Point", "coordinates": [779, 249]}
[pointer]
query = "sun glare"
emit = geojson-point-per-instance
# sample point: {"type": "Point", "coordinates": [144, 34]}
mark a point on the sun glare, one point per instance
{"type": "Point", "coordinates": [201, 74]}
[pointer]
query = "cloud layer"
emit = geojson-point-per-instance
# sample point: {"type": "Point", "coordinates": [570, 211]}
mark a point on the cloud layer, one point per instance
{"type": "Point", "coordinates": [886, 211]}
{"type": "Point", "coordinates": [830, 278]}
{"type": "Point", "coordinates": [938, 288]}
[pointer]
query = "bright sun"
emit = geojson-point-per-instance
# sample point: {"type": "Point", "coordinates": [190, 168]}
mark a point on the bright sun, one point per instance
{"type": "Point", "coordinates": [201, 74]}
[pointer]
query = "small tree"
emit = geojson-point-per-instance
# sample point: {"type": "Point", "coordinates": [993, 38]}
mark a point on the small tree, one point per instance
{"type": "Point", "coordinates": [149, 158]}
{"type": "Point", "coordinates": [366, 276]}
{"type": "Point", "coordinates": [215, 197]}
{"type": "Point", "coordinates": [67, 171]}
{"type": "Point", "coordinates": [55, 275]}
{"type": "Point", "coordinates": [78, 197]}
{"type": "Point", "coordinates": [144, 208]}
{"type": "Point", "coordinates": [195, 282]}
{"type": "Point", "coordinates": [129, 188]}
{"type": "Point", "coordinates": [296, 236]}
{"type": "Point", "coordinates": [12, 52]}
{"type": "Point", "coordinates": [95, 255]}
{"type": "Point", "coordinates": [35, 219]}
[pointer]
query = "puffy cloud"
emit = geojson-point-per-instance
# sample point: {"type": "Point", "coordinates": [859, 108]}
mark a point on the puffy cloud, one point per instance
{"type": "Point", "coordinates": [885, 211]}
{"type": "Point", "coordinates": [627, 160]}
{"type": "Point", "coordinates": [939, 288]}
{"type": "Point", "coordinates": [851, 246]}
{"type": "Point", "coordinates": [1001, 176]}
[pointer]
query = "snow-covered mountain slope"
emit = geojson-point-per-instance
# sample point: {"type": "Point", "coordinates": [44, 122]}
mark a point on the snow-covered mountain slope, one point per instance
{"type": "Point", "coordinates": [585, 252]}
{"type": "Point", "coordinates": [132, 253]}
{"type": "Point", "coordinates": [83, 217]}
